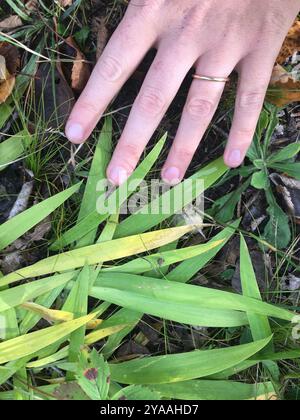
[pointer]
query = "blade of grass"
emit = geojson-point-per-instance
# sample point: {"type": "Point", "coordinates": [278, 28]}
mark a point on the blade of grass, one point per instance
{"type": "Point", "coordinates": [138, 223]}
{"type": "Point", "coordinates": [184, 366]}
{"type": "Point", "coordinates": [28, 344]}
{"type": "Point", "coordinates": [167, 298]}
{"type": "Point", "coordinates": [13, 148]}
{"type": "Point", "coordinates": [90, 222]}
{"type": "Point", "coordinates": [99, 253]}
{"type": "Point", "coordinates": [97, 172]}
{"type": "Point", "coordinates": [15, 296]}
{"type": "Point", "coordinates": [259, 324]}
{"type": "Point", "coordinates": [164, 259]}
{"type": "Point", "coordinates": [17, 226]}
{"type": "Point", "coordinates": [187, 269]}
{"type": "Point", "coordinates": [80, 309]}
{"type": "Point", "coordinates": [214, 391]}
{"type": "Point", "coordinates": [90, 339]}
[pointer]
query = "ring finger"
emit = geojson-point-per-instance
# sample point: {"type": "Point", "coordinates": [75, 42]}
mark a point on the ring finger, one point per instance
{"type": "Point", "coordinates": [201, 104]}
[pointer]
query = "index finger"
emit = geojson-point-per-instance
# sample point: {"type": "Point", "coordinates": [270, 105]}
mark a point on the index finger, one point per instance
{"type": "Point", "coordinates": [127, 47]}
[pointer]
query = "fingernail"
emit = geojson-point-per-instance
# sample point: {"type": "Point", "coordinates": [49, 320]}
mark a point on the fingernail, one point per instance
{"type": "Point", "coordinates": [118, 175]}
{"type": "Point", "coordinates": [234, 158]}
{"type": "Point", "coordinates": [171, 175]}
{"type": "Point", "coordinates": [75, 133]}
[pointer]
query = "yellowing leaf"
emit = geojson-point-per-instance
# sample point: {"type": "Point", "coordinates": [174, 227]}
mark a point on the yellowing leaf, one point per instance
{"type": "Point", "coordinates": [291, 43]}
{"type": "Point", "coordinates": [99, 253]}
{"type": "Point", "coordinates": [81, 69]}
{"type": "Point", "coordinates": [284, 88]}
{"type": "Point", "coordinates": [28, 344]}
{"type": "Point", "coordinates": [90, 339]}
{"type": "Point", "coordinates": [9, 61]}
{"type": "Point", "coordinates": [50, 315]}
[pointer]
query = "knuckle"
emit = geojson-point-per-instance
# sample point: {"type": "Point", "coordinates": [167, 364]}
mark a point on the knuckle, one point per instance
{"type": "Point", "coordinates": [151, 102]}
{"type": "Point", "coordinates": [184, 153]}
{"type": "Point", "coordinates": [251, 100]}
{"type": "Point", "coordinates": [130, 152]}
{"type": "Point", "coordinates": [110, 68]}
{"type": "Point", "coordinates": [150, 7]}
{"type": "Point", "coordinates": [244, 134]}
{"type": "Point", "coordinates": [89, 107]}
{"type": "Point", "coordinates": [199, 108]}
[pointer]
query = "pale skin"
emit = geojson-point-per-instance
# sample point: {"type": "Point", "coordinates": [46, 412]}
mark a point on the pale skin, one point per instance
{"type": "Point", "coordinates": [215, 37]}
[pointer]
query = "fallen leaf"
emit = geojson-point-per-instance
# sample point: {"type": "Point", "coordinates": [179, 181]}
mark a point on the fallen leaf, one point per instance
{"type": "Point", "coordinates": [81, 71]}
{"type": "Point", "coordinates": [289, 189]}
{"type": "Point", "coordinates": [284, 87]}
{"type": "Point", "coordinates": [32, 5]}
{"type": "Point", "coordinates": [66, 3]}
{"type": "Point", "coordinates": [291, 43]}
{"type": "Point", "coordinates": [9, 62]}
{"type": "Point", "coordinates": [101, 33]}
{"type": "Point", "coordinates": [11, 22]}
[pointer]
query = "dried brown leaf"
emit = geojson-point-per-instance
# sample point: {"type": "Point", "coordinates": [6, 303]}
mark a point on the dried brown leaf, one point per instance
{"type": "Point", "coordinates": [291, 43]}
{"type": "Point", "coordinates": [284, 88]}
{"type": "Point", "coordinates": [66, 3]}
{"type": "Point", "coordinates": [11, 22]}
{"type": "Point", "coordinates": [81, 71]}
{"type": "Point", "coordinates": [101, 33]}
{"type": "Point", "coordinates": [9, 62]}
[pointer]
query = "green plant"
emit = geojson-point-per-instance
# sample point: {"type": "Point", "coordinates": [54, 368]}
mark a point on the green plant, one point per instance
{"type": "Point", "coordinates": [257, 174]}
{"type": "Point", "coordinates": [80, 272]}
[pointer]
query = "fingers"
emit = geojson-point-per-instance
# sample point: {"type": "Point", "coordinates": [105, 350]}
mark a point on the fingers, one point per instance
{"type": "Point", "coordinates": [255, 73]}
{"type": "Point", "coordinates": [159, 89]}
{"type": "Point", "coordinates": [125, 50]}
{"type": "Point", "coordinates": [200, 107]}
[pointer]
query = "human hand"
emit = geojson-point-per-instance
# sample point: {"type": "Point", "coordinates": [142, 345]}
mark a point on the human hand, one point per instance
{"type": "Point", "coordinates": [216, 38]}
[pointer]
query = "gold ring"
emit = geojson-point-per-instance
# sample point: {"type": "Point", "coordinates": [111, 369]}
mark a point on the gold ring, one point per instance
{"type": "Point", "coordinates": [211, 79]}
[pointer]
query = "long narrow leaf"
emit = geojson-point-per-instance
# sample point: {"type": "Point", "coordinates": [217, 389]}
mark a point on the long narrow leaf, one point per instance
{"type": "Point", "coordinates": [17, 226]}
{"type": "Point", "coordinates": [95, 254]}
{"type": "Point", "coordinates": [90, 222]}
{"type": "Point", "coordinates": [184, 366]}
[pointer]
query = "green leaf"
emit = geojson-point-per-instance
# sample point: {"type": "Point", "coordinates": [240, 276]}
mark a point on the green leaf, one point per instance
{"type": "Point", "coordinates": [259, 324]}
{"type": "Point", "coordinates": [94, 377]}
{"type": "Point", "coordinates": [90, 222]}
{"type": "Point", "coordinates": [214, 390]}
{"type": "Point", "coordinates": [79, 309]}
{"type": "Point", "coordinates": [277, 231]}
{"type": "Point", "coordinates": [17, 9]}
{"type": "Point", "coordinates": [180, 302]}
{"type": "Point", "coordinates": [187, 269]}
{"type": "Point", "coordinates": [123, 316]}
{"type": "Point", "coordinates": [97, 173]}
{"type": "Point", "coordinates": [260, 180]}
{"type": "Point", "coordinates": [158, 261]}
{"type": "Point", "coordinates": [14, 148]}
{"type": "Point", "coordinates": [17, 295]}
{"type": "Point", "coordinates": [17, 226]}
{"type": "Point", "coordinates": [184, 366]}
{"type": "Point", "coordinates": [286, 153]}
{"type": "Point", "coordinates": [138, 223]}
{"type": "Point", "coordinates": [137, 393]}
{"type": "Point", "coordinates": [254, 151]}
{"type": "Point", "coordinates": [291, 169]}
{"type": "Point", "coordinates": [226, 205]}
{"type": "Point", "coordinates": [5, 113]}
